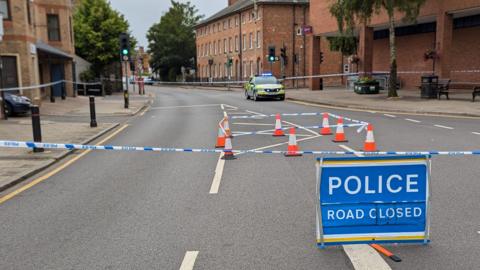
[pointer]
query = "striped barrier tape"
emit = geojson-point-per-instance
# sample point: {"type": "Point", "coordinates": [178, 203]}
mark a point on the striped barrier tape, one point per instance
{"type": "Point", "coordinates": [33, 87]}
{"type": "Point", "coordinates": [299, 114]}
{"type": "Point", "coordinates": [30, 145]}
{"type": "Point", "coordinates": [262, 132]}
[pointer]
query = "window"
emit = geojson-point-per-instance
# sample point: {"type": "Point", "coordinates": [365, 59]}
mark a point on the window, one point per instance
{"type": "Point", "coordinates": [229, 23]}
{"type": "Point", "coordinates": [257, 40]}
{"type": "Point", "coordinates": [243, 18]}
{"type": "Point", "coordinates": [201, 50]}
{"type": "Point", "coordinates": [219, 47]}
{"type": "Point", "coordinates": [230, 45]}
{"type": "Point", "coordinates": [225, 46]}
{"type": "Point", "coordinates": [53, 26]}
{"type": "Point", "coordinates": [215, 48]}
{"type": "Point", "coordinates": [236, 43]}
{"type": "Point", "coordinates": [9, 74]}
{"type": "Point", "coordinates": [224, 25]}
{"type": "Point", "coordinates": [244, 42]}
{"type": "Point", "coordinates": [236, 21]}
{"type": "Point", "coordinates": [250, 39]}
{"type": "Point", "coordinates": [5, 9]}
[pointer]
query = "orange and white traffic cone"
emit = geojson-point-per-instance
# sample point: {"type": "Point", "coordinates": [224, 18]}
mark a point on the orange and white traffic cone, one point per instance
{"type": "Point", "coordinates": [370, 145]}
{"type": "Point", "coordinates": [278, 127]}
{"type": "Point", "coordinates": [220, 138]}
{"type": "Point", "coordinates": [340, 134]}
{"type": "Point", "coordinates": [326, 130]}
{"type": "Point", "coordinates": [292, 150]}
{"type": "Point", "coordinates": [226, 127]}
{"type": "Point", "coordinates": [227, 153]}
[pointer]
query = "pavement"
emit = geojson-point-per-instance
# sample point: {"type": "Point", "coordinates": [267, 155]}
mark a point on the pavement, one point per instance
{"type": "Point", "coordinates": [105, 106]}
{"type": "Point", "coordinates": [145, 210]}
{"type": "Point", "coordinates": [64, 120]}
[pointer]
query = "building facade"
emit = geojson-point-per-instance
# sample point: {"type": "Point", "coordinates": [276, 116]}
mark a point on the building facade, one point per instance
{"type": "Point", "coordinates": [450, 28]}
{"type": "Point", "coordinates": [244, 31]}
{"type": "Point", "coordinates": [37, 46]}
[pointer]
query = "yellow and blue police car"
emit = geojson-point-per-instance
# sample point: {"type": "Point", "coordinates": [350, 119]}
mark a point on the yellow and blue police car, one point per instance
{"type": "Point", "coordinates": [264, 86]}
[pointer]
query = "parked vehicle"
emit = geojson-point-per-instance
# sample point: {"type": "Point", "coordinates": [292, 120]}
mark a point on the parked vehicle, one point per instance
{"type": "Point", "coordinates": [16, 104]}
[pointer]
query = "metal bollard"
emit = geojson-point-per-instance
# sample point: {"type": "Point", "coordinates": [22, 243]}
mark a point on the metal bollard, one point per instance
{"type": "Point", "coordinates": [4, 106]}
{"type": "Point", "coordinates": [93, 115]}
{"type": "Point", "coordinates": [321, 83]}
{"type": "Point", "coordinates": [125, 97]}
{"type": "Point", "coordinates": [37, 131]}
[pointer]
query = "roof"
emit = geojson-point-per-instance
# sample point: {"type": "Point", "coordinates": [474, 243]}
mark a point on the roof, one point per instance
{"type": "Point", "coordinates": [52, 50]}
{"type": "Point", "coordinates": [244, 4]}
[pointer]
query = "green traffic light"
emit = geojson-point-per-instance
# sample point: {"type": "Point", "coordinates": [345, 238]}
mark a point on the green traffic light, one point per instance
{"type": "Point", "coordinates": [125, 52]}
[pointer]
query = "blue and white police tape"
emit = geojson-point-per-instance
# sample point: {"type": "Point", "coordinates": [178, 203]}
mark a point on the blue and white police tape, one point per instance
{"type": "Point", "coordinates": [262, 132]}
{"type": "Point", "coordinates": [297, 114]}
{"type": "Point", "coordinates": [31, 145]}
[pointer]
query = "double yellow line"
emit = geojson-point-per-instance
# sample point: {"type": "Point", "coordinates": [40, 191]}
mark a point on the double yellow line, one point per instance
{"type": "Point", "coordinates": [58, 169]}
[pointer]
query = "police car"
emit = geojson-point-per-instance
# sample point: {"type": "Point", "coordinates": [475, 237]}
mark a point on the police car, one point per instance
{"type": "Point", "coordinates": [264, 86]}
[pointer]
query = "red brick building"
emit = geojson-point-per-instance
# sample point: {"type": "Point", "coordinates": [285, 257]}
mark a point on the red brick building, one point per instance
{"type": "Point", "coordinates": [244, 31]}
{"type": "Point", "coordinates": [451, 28]}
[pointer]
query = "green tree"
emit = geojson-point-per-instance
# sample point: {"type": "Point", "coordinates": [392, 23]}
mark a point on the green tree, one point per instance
{"type": "Point", "coordinates": [171, 41]}
{"type": "Point", "coordinates": [350, 12]}
{"type": "Point", "coordinates": [97, 27]}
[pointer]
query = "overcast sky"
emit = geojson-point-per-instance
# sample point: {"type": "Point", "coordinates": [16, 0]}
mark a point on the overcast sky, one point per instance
{"type": "Point", "coordinates": [142, 14]}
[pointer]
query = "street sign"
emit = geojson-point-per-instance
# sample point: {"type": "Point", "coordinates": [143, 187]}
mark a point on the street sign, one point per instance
{"type": "Point", "coordinates": [372, 200]}
{"type": "Point", "coordinates": [307, 30]}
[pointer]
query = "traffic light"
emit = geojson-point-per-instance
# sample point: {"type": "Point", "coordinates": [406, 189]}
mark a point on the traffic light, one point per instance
{"type": "Point", "coordinates": [283, 54]}
{"type": "Point", "coordinates": [321, 57]}
{"type": "Point", "coordinates": [271, 54]}
{"type": "Point", "coordinates": [124, 46]}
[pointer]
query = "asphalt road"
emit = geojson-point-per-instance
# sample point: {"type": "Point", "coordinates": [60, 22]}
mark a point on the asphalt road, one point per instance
{"type": "Point", "coordinates": [125, 210]}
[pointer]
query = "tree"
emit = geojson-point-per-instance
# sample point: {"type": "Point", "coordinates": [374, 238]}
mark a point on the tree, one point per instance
{"type": "Point", "coordinates": [97, 27]}
{"type": "Point", "coordinates": [171, 41]}
{"type": "Point", "coordinates": [349, 12]}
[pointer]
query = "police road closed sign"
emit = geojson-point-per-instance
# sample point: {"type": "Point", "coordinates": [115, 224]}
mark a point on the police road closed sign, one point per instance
{"type": "Point", "coordinates": [373, 200]}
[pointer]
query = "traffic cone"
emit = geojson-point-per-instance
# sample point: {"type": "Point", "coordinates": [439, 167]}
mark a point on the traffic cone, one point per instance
{"type": "Point", "coordinates": [228, 154]}
{"type": "Point", "coordinates": [278, 127]}
{"type": "Point", "coordinates": [220, 138]}
{"type": "Point", "coordinates": [226, 127]}
{"type": "Point", "coordinates": [340, 134]}
{"type": "Point", "coordinates": [326, 126]}
{"type": "Point", "coordinates": [292, 150]}
{"type": "Point", "coordinates": [370, 145]}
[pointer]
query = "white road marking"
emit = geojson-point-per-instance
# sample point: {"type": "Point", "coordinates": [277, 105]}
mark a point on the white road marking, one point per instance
{"type": "Point", "coordinates": [373, 112]}
{"type": "Point", "coordinates": [252, 112]}
{"type": "Point", "coordinates": [230, 106]}
{"type": "Point", "coordinates": [223, 107]}
{"type": "Point", "coordinates": [254, 124]}
{"type": "Point", "coordinates": [445, 127]}
{"type": "Point", "coordinates": [349, 149]}
{"type": "Point", "coordinates": [307, 129]}
{"type": "Point", "coordinates": [217, 178]}
{"type": "Point", "coordinates": [413, 120]}
{"type": "Point", "coordinates": [189, 260]}
{"type": "Point", "coordinates": [476, 133]}
{"type": "Point", "coordinates": [364, 257]}
{"type": "Point", "coordinates": [390, 115]}
{"type": "Point", "coordinates": [280, 144]}
{"type": "Point", "coordinates": [186, 106]}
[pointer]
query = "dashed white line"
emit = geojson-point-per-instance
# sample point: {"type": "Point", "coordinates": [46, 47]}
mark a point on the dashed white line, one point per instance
{"type": "Point", "coordinates": [280, 144]}
{"type": "Point", "coordinates": [364, 257]}
{"type": "Point", "coordinates": [300, 127]}
{"type": "Point", "coordinates": [445, 127]}
{"type": "Point", "coordinates": [189, 260]}
{"type": "Point", "coordinates": [413, 120]}
{"type": "Point", "coordinates": [217, 178]}
{"type": "Point", "coordinates": [259, 114]}
{"type": "Point", "coordinates": [185, 106]}
{"type": "Point", "coordinates": [476, 133]}
{"type": "Point", "coordinates": [254, 124]}
{"type": "Point", "coordinates": [390, 115]}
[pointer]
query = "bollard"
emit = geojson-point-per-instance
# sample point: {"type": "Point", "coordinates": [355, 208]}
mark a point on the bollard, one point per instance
{"type": "Point", "coordinates": [93, 115]}
{"type": "Point", "coordinates": [125, 97]}
{"type": "Point", "coordinates": [321, 83]}
{"type": "Point", "coordinates": [37, 131]}
{"type": "Point", "coordinates": [3, 106]}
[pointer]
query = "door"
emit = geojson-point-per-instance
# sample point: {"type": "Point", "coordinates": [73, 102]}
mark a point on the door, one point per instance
{"type": "Point", "coordinates": [57, 74]}
{"type": "Point", "coordinates": [9, 72]}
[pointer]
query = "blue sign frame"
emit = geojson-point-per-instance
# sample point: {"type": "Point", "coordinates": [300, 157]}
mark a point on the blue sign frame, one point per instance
{"type": "Point", "coordinates": [364, 200]}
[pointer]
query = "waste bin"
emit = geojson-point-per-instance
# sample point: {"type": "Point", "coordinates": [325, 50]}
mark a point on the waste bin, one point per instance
{"type": "Point", "coordinates": [429, 88]}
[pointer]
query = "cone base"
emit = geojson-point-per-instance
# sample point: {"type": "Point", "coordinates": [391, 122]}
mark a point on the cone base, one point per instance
{"type": "Point", "coordinates": [220, 146]}
{"type": "Point", "coordinates": [229, 157]}
{"type": "Point", "coordinates": [326, 133]}
{"type": "Point", "coordinates": [370, 148]}
{"type": "Point", "coordinates": [278, 135]}
{"type": "Point", "coordinates": [339, 141]}
{"type": "Point", "coordinates": [292, 154]}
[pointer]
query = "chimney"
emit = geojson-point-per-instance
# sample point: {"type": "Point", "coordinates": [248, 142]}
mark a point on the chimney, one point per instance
{"type": "Point", "coordinates": [231, 2]}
